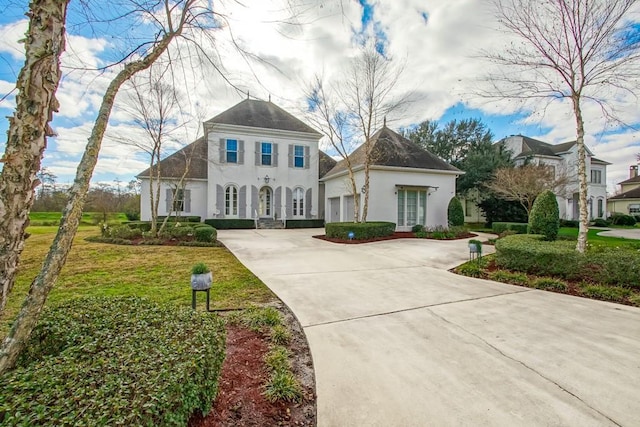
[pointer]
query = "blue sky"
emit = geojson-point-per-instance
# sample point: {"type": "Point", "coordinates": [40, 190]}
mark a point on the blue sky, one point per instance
{"type": "Point", "coordinates": [437, 42]}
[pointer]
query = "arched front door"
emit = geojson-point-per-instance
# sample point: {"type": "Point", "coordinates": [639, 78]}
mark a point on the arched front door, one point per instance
{"type": "Point", "coordinates": [265, 203]}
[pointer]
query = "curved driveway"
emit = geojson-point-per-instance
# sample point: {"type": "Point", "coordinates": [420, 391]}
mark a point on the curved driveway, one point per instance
{"type": "Point", "coordinates": [399, 341]}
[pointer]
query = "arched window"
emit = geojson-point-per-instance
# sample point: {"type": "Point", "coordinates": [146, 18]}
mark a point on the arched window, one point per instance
{"type": "Point", "coordinates": [298, 202]}
{"type": "Point", "coordinates": [231, 201]}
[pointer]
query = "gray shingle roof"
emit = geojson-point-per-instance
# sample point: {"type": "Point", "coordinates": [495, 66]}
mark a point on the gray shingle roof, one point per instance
{"type": "Point", "coordinates": [631, 194]}
{"type": "Point", "coordinates": [392, 149]}
{"type": "Point", "coordinates": [174, 165]}
{"type": "Point", "coordinates": [261, 114]}
{"type": "Point", "coordinates": [633, 180]}
{"type": "Point", "coordinates": [325, 163]}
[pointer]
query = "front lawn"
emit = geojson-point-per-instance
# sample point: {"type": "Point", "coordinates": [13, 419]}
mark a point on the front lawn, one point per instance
{"type": "Point", "coordinates": [594, 239]}
{"type": "Point", "coordinates": [159, 273]}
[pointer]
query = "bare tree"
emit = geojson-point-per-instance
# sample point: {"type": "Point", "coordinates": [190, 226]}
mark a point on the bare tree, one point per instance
{"type": "Point", "coordinates": [355, 108]}
{"type": "Point", "coordinates": [580, 50]}
{"type": "Point", "coordinates": [178, 17]}
{"type": "Point", "coordinates": [153, 104]}
{"type": "Point", "coordinates": [523, 184]}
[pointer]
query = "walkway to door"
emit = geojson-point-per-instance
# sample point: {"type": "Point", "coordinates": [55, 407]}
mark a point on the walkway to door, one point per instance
{"type": "Point", "coordinates": [397, 340]}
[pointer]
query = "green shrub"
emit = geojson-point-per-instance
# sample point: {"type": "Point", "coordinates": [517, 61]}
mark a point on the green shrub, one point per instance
{"type": "Point", "coordinates": [277, 359]}
{"type": "Point", "coordinates": [477, 244]}
{"type": "Point", "coordinates": [510, 277]}
{"type": "Point", "coordinates": [550, 284]}
{"type": "Point", "coordinates": [180, 219]}
{"type": "Point", "coordinates": [518, 227]}
{"type": "Point", "coordinates": [143, 226]}
{"type": "Point", "coordinates": [283, 385]}
{"type": "Point", "coordinates": [123, 232]}
{"type": "Point", "coordinates": [570, 223]}
{"type": "Point", "coordinates": [606, 293]}
{"type": "Point", "coordinates": [205, 233]}
{"type": "Point", "coordinates": [417, 228]}
{"type": "Point", "coordinates": [471, 269]}
{"type": "Point", "coordinates": [230, 224]}
{"type": "Point", "coordinates": [361, 230]}
{"type": "Point", "coordinates": [455, 213]}
{"type": "Point", "coordinates": [622, 219]}
{"type": "Point", "coordinates": [115, 361]}
{"type": "Point", "coordinates": [305, 223]}
{"type": "Point", "coordinates": [545, 216]}
{"type": "Point", "coordinates": [200, 268]}
{"type": "Point", "coordinates": [530, 254]}
{"type": "Point", "coordinates": [614, 266]}
{"type": "Point", "coordinates": [132, 215]}
{"type": "Point", "coordinates": [600, 222]}
{"type": "Point", "coordinates": [177, 231]}
{"type": "Point", "coordinates": [280, 335]}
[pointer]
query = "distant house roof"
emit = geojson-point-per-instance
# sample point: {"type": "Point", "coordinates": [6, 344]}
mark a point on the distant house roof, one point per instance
{"type": "Point", "coordinates": [599, 161]}
{"type": "Point", "coordinates": [261, 114]}
{"type": "Point", "coordinates": [634, 180]}
{"type": "Point", "coordinates": [533, 147]}
{"type": "Point", "coordinates": [325, 163]}
{"type": "Point", "coordinates": [175, 165]}
{"type": "Point", "coordinates": [627, 195]}
{"type": "Point", "coordinates": [392, 149]}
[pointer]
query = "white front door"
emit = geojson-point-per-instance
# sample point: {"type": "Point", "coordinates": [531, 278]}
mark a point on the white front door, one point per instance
{"type": "Point", "coordinates": [264, 203]}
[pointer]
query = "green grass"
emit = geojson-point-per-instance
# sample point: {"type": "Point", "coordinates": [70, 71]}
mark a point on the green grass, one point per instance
{"type": "Point", "coordinates": [595, 239]}
{"type": "Point", "coordinates": [53, 218]}
{"type": "Point", "coordinates": [160, 273]}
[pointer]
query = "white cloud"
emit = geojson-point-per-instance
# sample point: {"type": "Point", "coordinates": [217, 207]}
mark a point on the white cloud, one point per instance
{"type": "Point", "coordinates": [10, 34]}
{"type": "Point", "coordinates": [441, 66]}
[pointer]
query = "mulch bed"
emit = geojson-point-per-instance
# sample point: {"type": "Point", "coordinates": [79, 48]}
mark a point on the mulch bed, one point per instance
{"type": "Point", "coordinates": [396, 235]}
{"type": "Point", "coordinates": [240, 401]}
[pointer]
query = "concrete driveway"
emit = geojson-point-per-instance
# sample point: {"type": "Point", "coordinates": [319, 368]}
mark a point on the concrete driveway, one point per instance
{"type": "Point", "coordinates": [399, 341]}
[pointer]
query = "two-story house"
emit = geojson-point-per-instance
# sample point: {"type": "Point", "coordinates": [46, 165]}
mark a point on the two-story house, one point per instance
{"type": "Point", "coordinates": [563, 158]}
{"type": "Point", "coordinates": [257, 161]}
{"type": "Point", "coordinates": [628, 200]}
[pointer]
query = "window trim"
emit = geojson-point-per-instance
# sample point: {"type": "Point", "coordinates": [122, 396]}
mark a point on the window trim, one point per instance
{"type": "Point", "coordinates": [264, 144]}
{"type": "Point", "coordinates": [228, 151]}
{"type": "Point", "coordinates": [297, 156]}
{"type": "Point", "coordinates": [298, 204]}
{"type": "Point", "coordinates": [231, 201]}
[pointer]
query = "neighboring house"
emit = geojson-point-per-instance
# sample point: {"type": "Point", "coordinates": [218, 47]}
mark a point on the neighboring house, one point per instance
{"type": "Point", "coordinates": [408, 185]}
{"type": "Point", "coordinates": [628, 201]}
{"type": "Point", "coordinates": [256, 161]}
{"type": "Point", "coordinates": [564, 159]}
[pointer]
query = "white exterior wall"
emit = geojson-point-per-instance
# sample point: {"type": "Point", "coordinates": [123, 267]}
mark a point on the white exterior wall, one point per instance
{"type": "Point", "coordinates": [383, 205]}
{"type": "Point", "coordinates": [252, 177]}
{"type": "Point", "coordinates": [198, 198]}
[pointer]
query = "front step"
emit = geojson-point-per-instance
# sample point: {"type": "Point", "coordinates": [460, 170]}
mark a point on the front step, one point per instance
{"type": "Point", "coordinates": [270, 224]}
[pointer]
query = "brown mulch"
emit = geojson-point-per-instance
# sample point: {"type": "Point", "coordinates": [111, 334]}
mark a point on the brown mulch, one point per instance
{"type": "Point", "coordinates": [240, 401]}
{"type": "Point", "coordinates": [396, 235]}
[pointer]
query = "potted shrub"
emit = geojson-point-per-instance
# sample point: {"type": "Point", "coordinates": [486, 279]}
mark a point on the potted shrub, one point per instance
{"type": "Point", "coordinates": [201, 277]}
{"type": "Point", "coordinates": [475, 247]}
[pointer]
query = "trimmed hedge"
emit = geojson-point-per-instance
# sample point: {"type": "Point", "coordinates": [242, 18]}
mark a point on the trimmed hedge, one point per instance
{"type": "Point", "coordinates": [140, 225]}
{"type": "Point", "coordinates": [545, 216]}
{"type": "Point", "coordinates": [115, 361]}
{"type": "Point", "coordinates": [571, 223]}
{"type": "Point", "coordinates": [180, 219]}
{"type": "Point", "coordinates": [361, 230]}
{"type": "Point", "coordinates": [622, 219]}
{"type": "Point", "coordinates": [530, 254]}
{"type": "Point", "coordinates": [305, 223]}
{"type": "Point", "coordinates": [205, 233]}
{"type": "Point", "coordinates": [518, 227]}
{"type": "Point", "coordinates": [230, 224]}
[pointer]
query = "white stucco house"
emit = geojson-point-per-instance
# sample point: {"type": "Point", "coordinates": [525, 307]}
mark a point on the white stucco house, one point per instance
{"type": "Point", "coordinates": [564, 159]}
{"type": "Point", "coordinates": [408, 184]}
{"type": "Point", "coordinates": [256, 161]}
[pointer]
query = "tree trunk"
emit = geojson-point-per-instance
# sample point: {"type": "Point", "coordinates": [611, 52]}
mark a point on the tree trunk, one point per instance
{"type": "Point", "coordinates": [41, 286]}
{"type": "Point", "coordinates": [581, 246]}
{"type": "Point", "coordinates": [354, 191]}
{"type": "Point", "coordinates": [365, 205]}
{"type": "Point", "coordinates": [28, 131]}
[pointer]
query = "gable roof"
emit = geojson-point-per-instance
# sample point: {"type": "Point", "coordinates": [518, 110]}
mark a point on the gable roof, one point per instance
{"type": "Point", "coordinates": [325, 163]}
{"type": "Point", "coordinates": [261, 114]}
{"type": "Point", "coordinates": [631, 194]}
{"type": "Point", "coordinates": [392, 149]}
{"type": "Point", "coordinates": [174, 165]}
